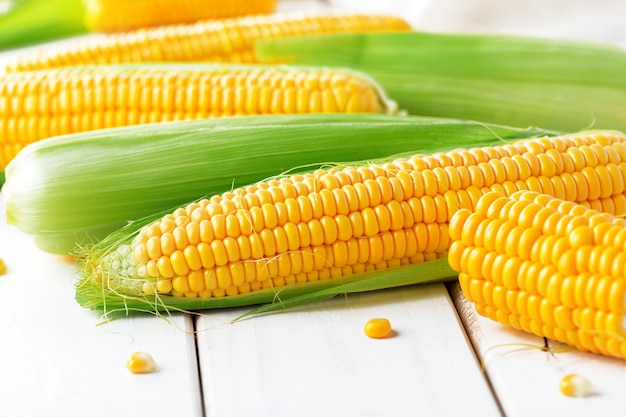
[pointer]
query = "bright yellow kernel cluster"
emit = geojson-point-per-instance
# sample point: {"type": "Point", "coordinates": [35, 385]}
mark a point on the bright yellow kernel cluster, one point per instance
{"type": "Point", "coordinates": [115, 15]}
{"type": "Point", "coordinates": [299, 229]}
{"type": "Point", "coordinates": [36, 105]}
{"type": "Point", "coordinates": [550, 267]}
{"type": "Point", "coordinates": [340, 221]}
{"type": "Point", "coordinates": [228, 40]}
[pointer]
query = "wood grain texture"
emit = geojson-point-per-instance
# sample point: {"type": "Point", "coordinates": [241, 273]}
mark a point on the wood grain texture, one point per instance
{"type": "Point", "coordinates": [317, 361]}
{"type": "Point", "coordinates": [58, 359]}
{"type": "Point", "coordinates": [526, 378]}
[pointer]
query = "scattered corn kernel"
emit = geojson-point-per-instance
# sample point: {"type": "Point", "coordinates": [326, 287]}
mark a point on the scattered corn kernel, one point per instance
{"type": "Point", "coordinates": [3, 267]}
{"type": "Point", "coordinates": [377, 328]}
{"type": "Point", "coordinates": [573, 385]}
{"type": "Point", "coordinates": [141, 363]}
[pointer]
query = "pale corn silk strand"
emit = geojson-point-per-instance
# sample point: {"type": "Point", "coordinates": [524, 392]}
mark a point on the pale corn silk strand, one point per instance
{"type": "Point", "coordinates": [419, 194]}
{"type": "Point", "coordinates": [41, 104]}
{"type": "Point", "coordinates": [563, 279]}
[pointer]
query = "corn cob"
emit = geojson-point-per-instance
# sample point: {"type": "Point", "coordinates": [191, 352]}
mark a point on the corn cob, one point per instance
{"type": "Point", "coordinates": [228, 40]}
{"type": "Point", "coordinates": [87, 185]}
{"type": "Point", "coordinates": [116, 15]}
{"type": "Point", "coordinates": [40, 104]}
{"type": "Point", "coordinates": [517, 81]}
{"type": "Point", "coordinates": [554, 268]}
{"type": "Point", "coordinates": [336, 222]}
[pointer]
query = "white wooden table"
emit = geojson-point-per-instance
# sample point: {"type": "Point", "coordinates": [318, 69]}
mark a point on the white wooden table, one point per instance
{"type": "Point", "coordinates": [58, 359]}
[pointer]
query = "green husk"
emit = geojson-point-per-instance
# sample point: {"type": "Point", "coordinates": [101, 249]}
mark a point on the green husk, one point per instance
{"type": "Point", "coordinates": [27, 22]}
{"type": "Point", "coordinates": [513, 80]}
{"type": "Point", "coordinates": [73, 190]}
{"type": "Point", "coordinates": [429, 272]}
{"type": "Point", "coordinates": [103, 285]}
{"type": "Point", "coordinates": [92, 295]}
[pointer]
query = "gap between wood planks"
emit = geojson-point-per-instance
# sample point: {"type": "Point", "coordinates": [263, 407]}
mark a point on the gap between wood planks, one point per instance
{"type": "Point", "coordinates": [466, 314]}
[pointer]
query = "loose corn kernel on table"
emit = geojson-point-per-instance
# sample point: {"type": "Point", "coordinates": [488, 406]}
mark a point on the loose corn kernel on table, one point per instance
{"type": "Point", "coordinates": [442, 359]}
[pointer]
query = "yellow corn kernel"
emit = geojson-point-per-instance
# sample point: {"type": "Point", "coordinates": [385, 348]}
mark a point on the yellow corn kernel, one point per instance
{"type": "Point", "coordinates": [27, 114]}
{"type": "Point", "coordinates": [560, 281]}
{"type": "Point", "coordinates": [3, 267]}
{"type": "Point", "coordinates": [574, 385]}
{"type": "Point", "coordinates": [116, 16]}
{"type": "Point", "coordinates": [141, 363]}
{"type": "Point", "coordinates": [377, 328]}
{"type": "Point", "coordinates": [226, 40]}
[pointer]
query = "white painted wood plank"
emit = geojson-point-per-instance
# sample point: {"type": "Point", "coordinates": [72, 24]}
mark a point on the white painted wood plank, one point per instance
{"type": "Point", "coordinates": [526, 380]}
{"type": "Point", "coordinates": [316, 361]}
{"type": "Point", "coordinates": [56, 361]}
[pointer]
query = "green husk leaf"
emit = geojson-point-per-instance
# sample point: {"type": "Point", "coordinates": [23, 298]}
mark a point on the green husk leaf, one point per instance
{"type": "Point", "coordinates": [71, 191]}
{"type": "Point", "coordinates": [429, 272]}
{"type": "Point", "coordinates": [384, 104]}
{"type": "Point", "coordinates": [27, 22]}
{"type": "Point", "coordinates": [111, 301]}
{"type": "Point", "coordinates": [513, 80]}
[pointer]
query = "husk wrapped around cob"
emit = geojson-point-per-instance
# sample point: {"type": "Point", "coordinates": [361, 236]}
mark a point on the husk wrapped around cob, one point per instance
{"type": "Point", "coordinates": [329, 140]}
{"type": "Point", "coordinates": [512, 80]}
{"type": "Point", "coordinates": [73, 190]}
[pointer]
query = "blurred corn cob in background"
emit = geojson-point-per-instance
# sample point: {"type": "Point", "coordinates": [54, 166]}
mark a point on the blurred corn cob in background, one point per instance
{"type": "Point", "coordinates": [119, 15]}
{"type": "Point", "coordinates": [224, 40]}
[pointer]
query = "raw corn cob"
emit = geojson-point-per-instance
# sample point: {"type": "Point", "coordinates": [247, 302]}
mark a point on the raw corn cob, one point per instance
{"type": "Point", "coordinates": [518, 81]}
{"type": "Point", "coordinates": [225, 40]}
{"type": "Point", "coordinates": [338, 222]}
{"type": "Point", "coordinates": [40, 104]}
{"type": "Point", "coordinates": [87, 185]}
{"type": "Point", "coordinates": [548, 266]}
{"type": "Point", "coordinates": [124, 15]}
